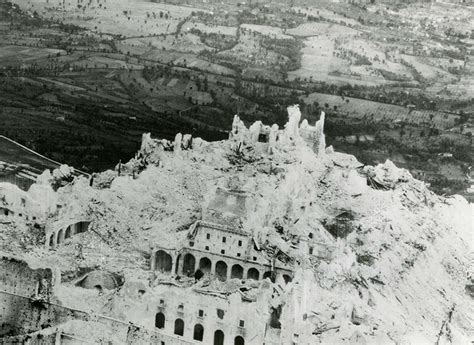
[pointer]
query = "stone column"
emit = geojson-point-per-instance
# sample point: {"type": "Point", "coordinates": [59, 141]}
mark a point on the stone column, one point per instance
{"type": "Point", "coordinates": [153, 260]}
{"type": "Point", "coordinates": [181, 262]}
{"type": "Point", "coordinates": [174, 257]}
{"type": "Point", "coordinates": [229, 270]}
{"type": "Point", "coordinates": [198, 259]}
{"type": "Point", "coordinates": [48, 237]}
{"type": "Point", "coordinates": [56, 238]}
{"type": "Point", "coordinates": [213, 267]}
{"type": "Point", "coordinates": [57, 340]}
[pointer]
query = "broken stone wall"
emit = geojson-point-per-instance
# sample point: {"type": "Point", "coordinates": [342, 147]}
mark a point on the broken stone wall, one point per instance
{"type": "Point", "coordinates": [167, 307]}
{"type": "Point", "coordinates": [17, 277]}
{"type": "Point", "coordinates": [32, 339]}
{"type": "Point", "coordinates": [23, 315]}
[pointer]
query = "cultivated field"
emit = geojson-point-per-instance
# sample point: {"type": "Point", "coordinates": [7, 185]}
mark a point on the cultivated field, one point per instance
{"type": "Point", "coordinates": [326, 14]}
{"type": "Point", "coordinates": [82, 88]}
{"type": "Point", "coordinates": [379, 112]}
{"type": "Point", "coordinates": [266, 30]}
{"type": "Point", "coordinates": [186, 43]}
{"type": "Point", "coordinates": [122, 17]}
{"type": "Point", "coordinates": [14, 55]}
{"type": "Point", "coordinates": [210, 28]}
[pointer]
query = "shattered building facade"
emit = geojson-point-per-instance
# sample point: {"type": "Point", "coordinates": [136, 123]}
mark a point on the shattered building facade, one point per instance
{"type": "Point", "coordinates": [265, 238]}
{"type": "Point", "coordinates": [217, 247]}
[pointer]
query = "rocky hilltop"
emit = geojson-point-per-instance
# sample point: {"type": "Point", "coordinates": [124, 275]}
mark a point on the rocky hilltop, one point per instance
{"type": "Point", "coordinates": [289, 241]}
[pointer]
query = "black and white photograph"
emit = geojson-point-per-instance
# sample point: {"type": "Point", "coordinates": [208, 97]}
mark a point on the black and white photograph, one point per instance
{"type": "Point", "coordinates": [237, 172]}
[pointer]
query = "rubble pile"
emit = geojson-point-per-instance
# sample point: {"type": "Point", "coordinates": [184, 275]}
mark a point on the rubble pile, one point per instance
{"type": "Point", "coordinates": [376, 257]}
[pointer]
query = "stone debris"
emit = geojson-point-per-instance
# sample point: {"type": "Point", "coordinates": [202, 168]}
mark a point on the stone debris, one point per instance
{"type": "Point", "coordinates": [268, 230]}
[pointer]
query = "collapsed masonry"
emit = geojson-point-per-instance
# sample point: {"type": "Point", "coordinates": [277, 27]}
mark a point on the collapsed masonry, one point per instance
{"type": "Point", "coordinates": [276, 138]}
{"type": "Point", "coordinates": [216, 246]}
{"type": "Point", "coordinates": [268, 237]}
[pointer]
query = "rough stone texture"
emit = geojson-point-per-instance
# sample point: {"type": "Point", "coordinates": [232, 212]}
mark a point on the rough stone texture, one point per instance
{"type": "Point", "coordinates": [398, 236]}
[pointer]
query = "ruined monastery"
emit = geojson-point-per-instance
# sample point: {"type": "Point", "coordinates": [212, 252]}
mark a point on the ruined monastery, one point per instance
{"type": "Point", "coordinates": [269, 237]}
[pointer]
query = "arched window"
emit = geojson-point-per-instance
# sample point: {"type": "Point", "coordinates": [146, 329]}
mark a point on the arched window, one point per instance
{"type": "Point", "coordinates": [237, 272]}
{"type": "Point", "coordinates": [189, 264]}
{"type": "Point", "coordinates": [253, 274]}
{"type": "Point", "coordinates": [68, 232]}
{"type": "Point", "coordinates": [239, 340]}
{"type": "Point", "coordinates": [51, 241]}
{"type": "Point", "coordinates": [82, 227]}
{"type": "Point", "coordinates": [179, 327]}
{"type": "Point", "coordinates": [221, 270]}
{"type": "Point", "coordinates": [218, 337]}
{"type": "Point", "coordinates": [267, 274]}
{"type": "Point", "coordinates": [160, 320]}
{"type": "Point", "coordinates": [287, 278]}
{"type": "Point", "coordinates": [205, 265]}
{"type": "Point", "coordinates": [163, 261]}
{"type": "Point", "coordinates": [198, 332]}
{"type": "Point", "coordinates": [178, 261]}
{"type": "Point", "coordinates": [60, 237]}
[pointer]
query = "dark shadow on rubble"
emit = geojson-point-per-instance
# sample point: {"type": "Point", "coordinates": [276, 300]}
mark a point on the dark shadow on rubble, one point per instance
{"type": "Point", "coordinates": [341, 225]}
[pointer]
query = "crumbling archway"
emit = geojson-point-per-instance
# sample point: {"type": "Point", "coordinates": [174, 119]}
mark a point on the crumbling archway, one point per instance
{"type": "Point", "coordinates": [163, 261]}
{"type": "Point", "coordinates": [253, 273]}
{"type": "Point", "coordinates": [82, 226]}
{"type": "Point", "coordinates": [60, 237]}
{"type": "Point", "coordinates": [94, 279]}
{"type": "Point", "coordinates": [68, 232]}
{"type": "Point", "coordinates": [237, 271]}
{"type": "Point", "coordinates": [287, 278]}
{"type": "Point", "coordinates": [179, 327]}
{"type": "Point", "coordinates": [271, 275]}
{"type": "Point", "coordinates": [177, 266]}
{"type": "Point", "coordinates": [51, 241]}
{"type": "Point", "coordinates": [160, 320]}
{"type": "Point", "coordinates": [198, 332]}
{"type": "Point", "coordinates": [218, 337]}
{"type": "Point", "coordinates": [189, 263]}
{"type": "Point", "coordinates": [239, 340]}
{"type": "Point", "coordinates": [205, 265]}
{"type": "Point", "coordinates": [221, 270]}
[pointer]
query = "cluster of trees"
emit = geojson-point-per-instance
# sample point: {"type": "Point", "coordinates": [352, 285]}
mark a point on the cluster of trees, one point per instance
{"type": "Point", "coordinates": [215, 40]}
{"type": "Point", "coordinates": [280, 19]}
{"type": "Point", "coordinates": [356, 58]}
{"type": "Point", "coordinates": [291, 48]}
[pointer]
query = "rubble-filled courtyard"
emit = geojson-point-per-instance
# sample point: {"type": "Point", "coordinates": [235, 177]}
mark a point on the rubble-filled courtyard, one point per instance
{"type": "Point", "coordinates": [269, 237]}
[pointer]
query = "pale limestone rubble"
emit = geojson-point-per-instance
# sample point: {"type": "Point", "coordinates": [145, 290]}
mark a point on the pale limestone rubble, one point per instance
{"type": "Point", "coordinates": [267, 237]}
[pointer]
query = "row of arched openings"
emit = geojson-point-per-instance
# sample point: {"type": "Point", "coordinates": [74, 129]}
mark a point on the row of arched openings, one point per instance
{"type": "Point", "coordinates": [164, 263]}
{"type": "Point", "coordinates": [65, 234]}
{"type": "Point", "coordinates": [198, 332]}
{"type": "Point", "coordinates": [60, 237]}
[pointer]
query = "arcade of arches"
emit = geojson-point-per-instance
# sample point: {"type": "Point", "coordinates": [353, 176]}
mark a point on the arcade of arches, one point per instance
{"type": "Point", "coordinates": [61, 235]}
{"type": "Point", "coordinates": [198, 331]}
{"type": "Point", "coordinates": [188, 265]}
